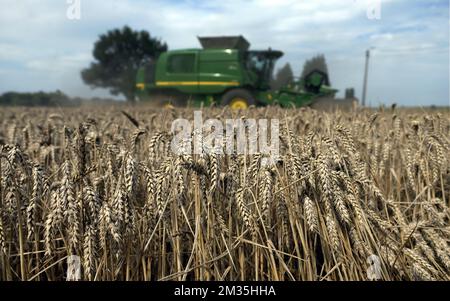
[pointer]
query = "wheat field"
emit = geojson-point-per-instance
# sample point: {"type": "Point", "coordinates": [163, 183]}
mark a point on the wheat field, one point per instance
{"type": "Point", "coordinates": [104, 185]}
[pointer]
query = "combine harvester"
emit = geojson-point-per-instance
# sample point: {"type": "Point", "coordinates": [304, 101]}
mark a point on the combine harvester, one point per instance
{"type": "Point", "coordinates": [226, 72]}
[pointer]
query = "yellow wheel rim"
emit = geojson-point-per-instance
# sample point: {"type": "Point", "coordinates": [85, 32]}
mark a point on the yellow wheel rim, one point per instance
{"type": "Point", "coordinates": [239, 104]}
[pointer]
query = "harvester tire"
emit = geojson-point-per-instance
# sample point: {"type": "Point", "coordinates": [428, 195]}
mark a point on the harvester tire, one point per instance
{"type": "Point", "coordinates": [238, 99]}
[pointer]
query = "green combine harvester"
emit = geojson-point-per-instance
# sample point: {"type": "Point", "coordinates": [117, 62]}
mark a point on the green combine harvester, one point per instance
{"type": "Point", "coordinates": [225, 72]}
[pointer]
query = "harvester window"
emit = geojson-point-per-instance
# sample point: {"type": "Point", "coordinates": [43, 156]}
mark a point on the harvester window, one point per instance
{"type": "Point", "coordinates": [181, 63]}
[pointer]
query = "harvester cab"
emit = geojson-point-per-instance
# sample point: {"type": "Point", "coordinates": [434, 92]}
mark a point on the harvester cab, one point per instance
{"type": "Point", "coordinates": [261, 63]}
{"type": "Point", "coordinates": [224, 72]}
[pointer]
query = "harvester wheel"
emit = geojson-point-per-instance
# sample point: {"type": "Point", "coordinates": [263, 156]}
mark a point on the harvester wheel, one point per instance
{"type": "Point", "coordinates": [238, 99]}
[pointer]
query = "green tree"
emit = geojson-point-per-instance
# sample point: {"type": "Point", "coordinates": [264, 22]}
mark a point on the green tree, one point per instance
{"type": "Point", "coordinates": [118, 55]}
{"type": "Point", "coordinates": [283, 77]}
{"type": "Point", "coordinates": [316, 63]}
{"type": "Point", "coordinates": [40, 98]}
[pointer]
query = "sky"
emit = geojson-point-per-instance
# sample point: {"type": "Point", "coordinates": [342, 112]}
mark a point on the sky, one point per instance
{"type": "Point", "coordinates": [41, 48]}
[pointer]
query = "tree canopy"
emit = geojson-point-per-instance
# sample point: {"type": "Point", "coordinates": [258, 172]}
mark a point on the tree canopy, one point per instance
{"type": "Point", "coordinates": [56, 98]}
{"type": "Point", "coordinates": [283, 77]}
{"type": "Point", "coordinates": [118, 55]}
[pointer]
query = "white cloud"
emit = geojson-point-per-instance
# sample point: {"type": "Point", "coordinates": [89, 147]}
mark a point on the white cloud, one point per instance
{"type": "Point", "coordinates": [12, 52]}
{"type": "Point", "coordinates": [59, 64]}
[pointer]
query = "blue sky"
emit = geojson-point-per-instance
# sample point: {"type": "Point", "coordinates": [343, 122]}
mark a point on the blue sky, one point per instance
{"type": "Point", "coordinates": [41, 49]}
